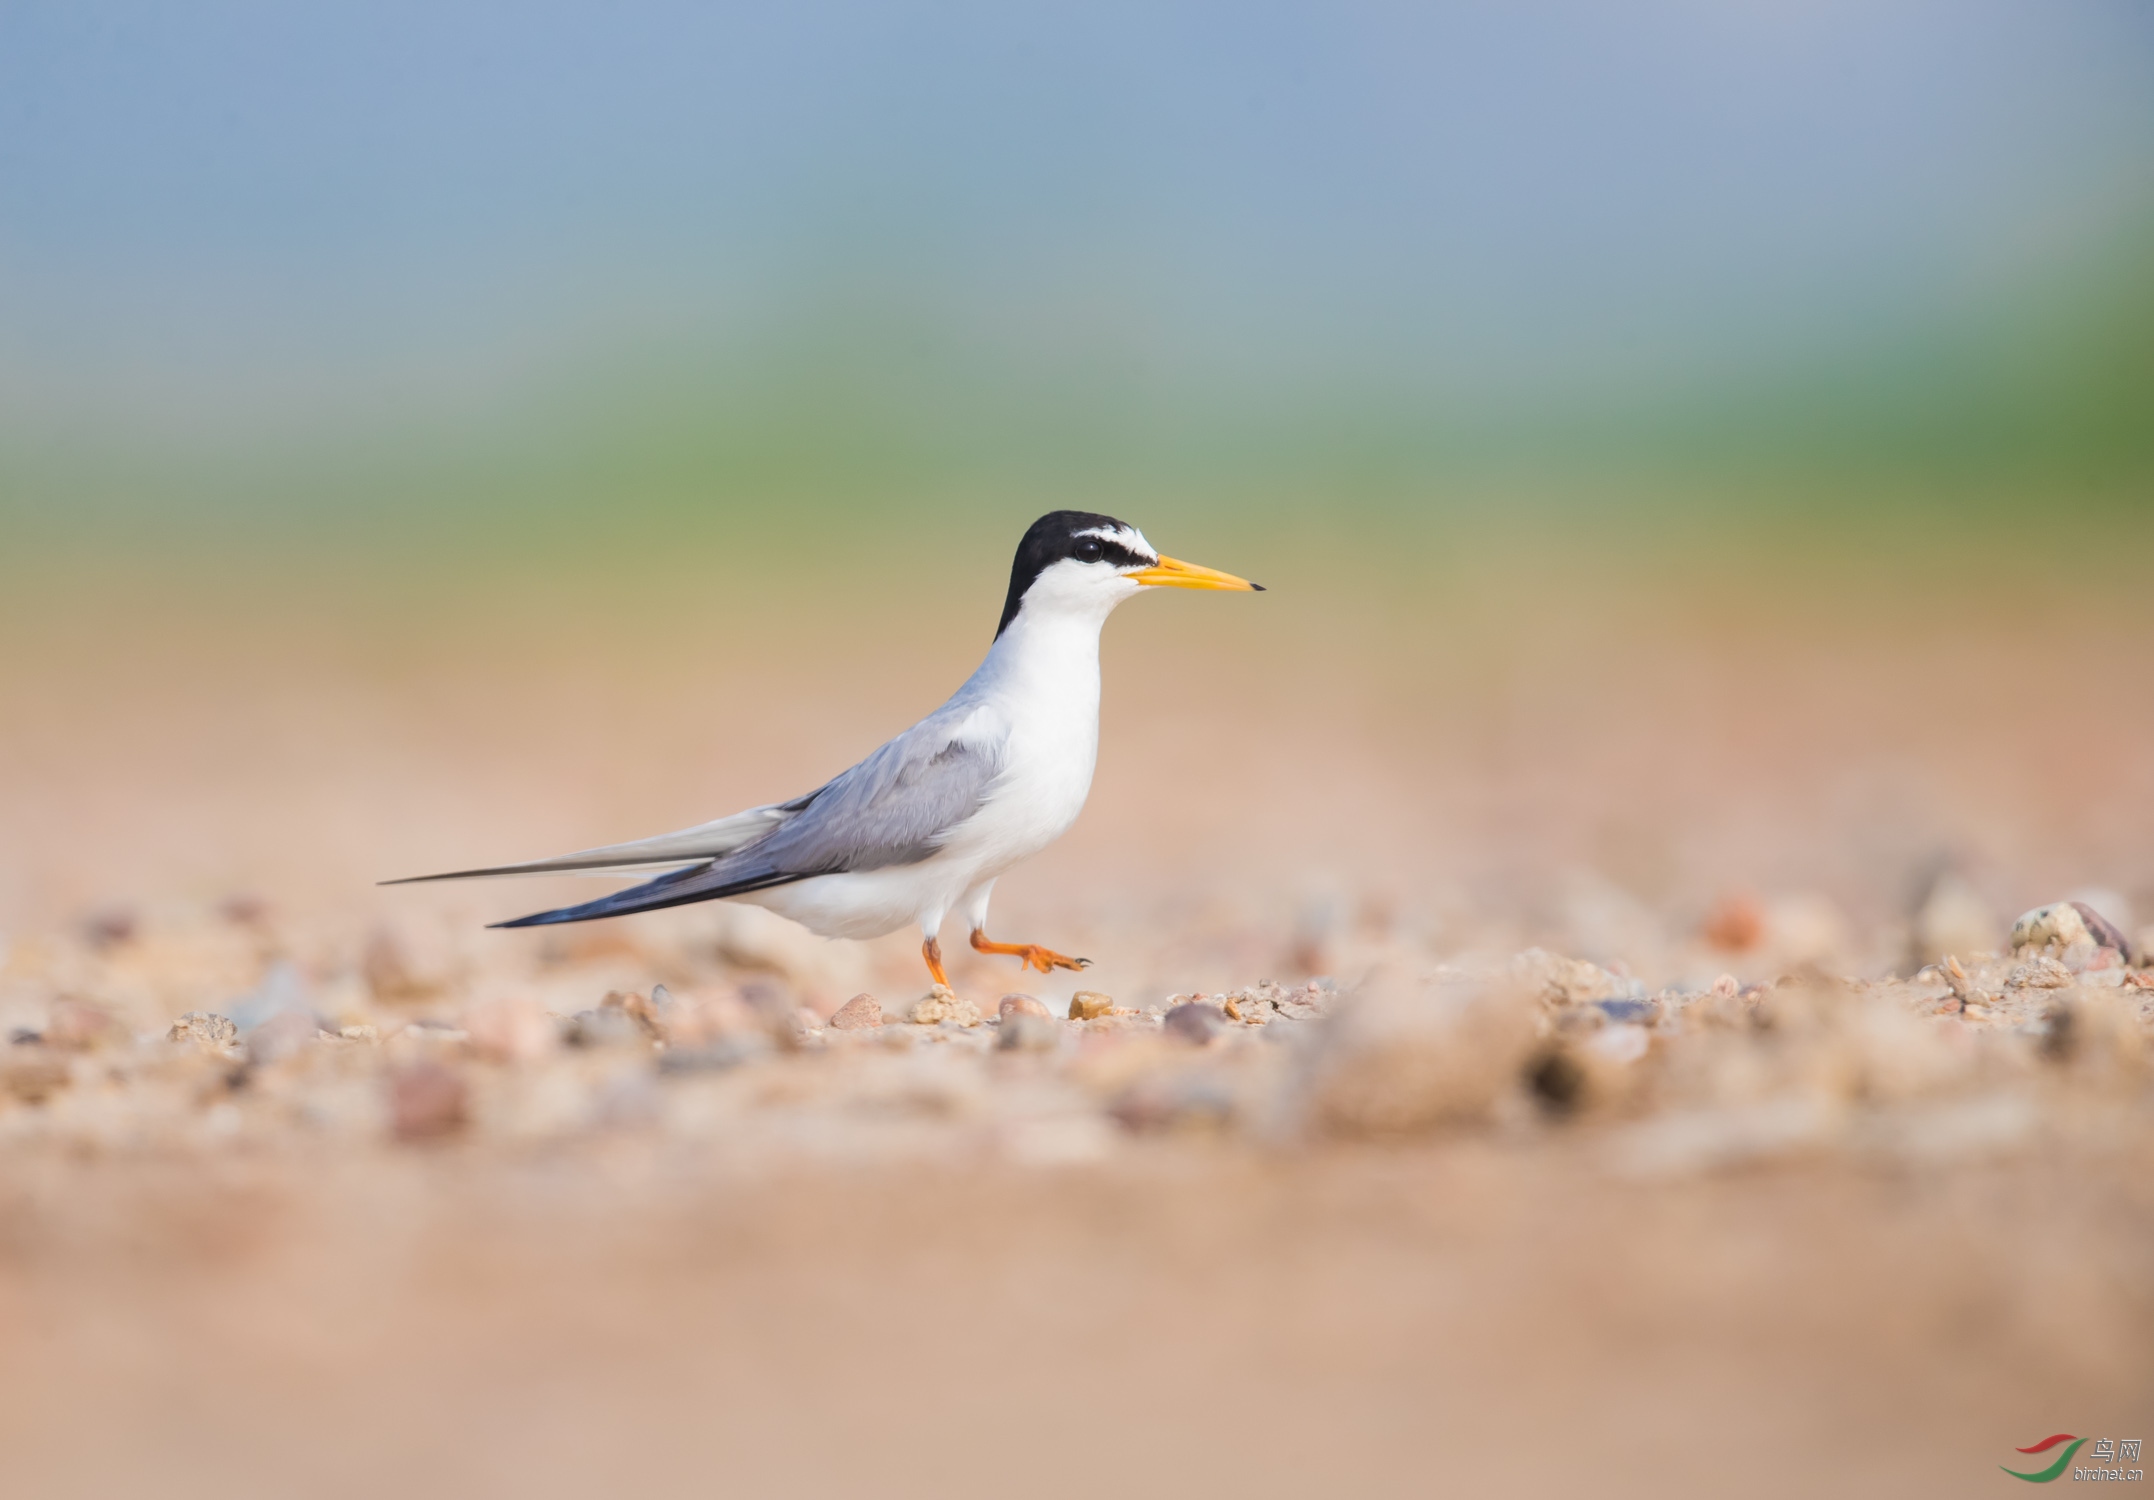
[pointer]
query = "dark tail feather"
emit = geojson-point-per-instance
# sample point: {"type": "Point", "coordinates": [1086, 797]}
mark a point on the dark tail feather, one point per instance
{"type": "Point", "coordinates": [677, 888]}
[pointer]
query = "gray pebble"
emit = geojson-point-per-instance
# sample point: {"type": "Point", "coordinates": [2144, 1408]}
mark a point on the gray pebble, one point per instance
{"type": "Point", "coordinates": [1195, 1023]}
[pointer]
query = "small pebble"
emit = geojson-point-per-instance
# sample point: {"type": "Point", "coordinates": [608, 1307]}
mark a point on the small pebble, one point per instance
{"type": "Point", "coordinates": [940, 1004]}
{"type": "Point", "coordinates": [602, 1028]}
{"type": "Point", "coordinates": [2070, 928]}
{"type": "Point", "coordinates": [2044, 973]}
{"type": "Point", "coordinates": [637, 1007]}
{"type": "Point", "coordinates": [1026, 1031]}
{"type": "Point", "coordinates": [861, 1013]}
{"type": "Point", "coordinates": [204, 1030]}
{"type": "Point", "coordinates": [1022, 1005]}
{"type": "Point", "coordinates": [1964, 994]}
{"type": "Point", "coordinates": [1736, 924]}
{"type": "Point", "coordinates": [1090, 1005]}
{"type": "Point", "coordinates": [2102, 930]}
{"type": "Point", "coordinates": [1196, 1023]}
{"type": "Point", "coordinates": [1557, 1079]}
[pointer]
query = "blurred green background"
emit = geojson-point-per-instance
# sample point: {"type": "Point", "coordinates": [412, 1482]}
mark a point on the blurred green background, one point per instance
{"type": "Point", "coordinates": [437, 285]}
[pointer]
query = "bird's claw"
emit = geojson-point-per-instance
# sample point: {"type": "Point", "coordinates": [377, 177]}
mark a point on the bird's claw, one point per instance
{"type": "Point", "coordinates": [1046, 960]}
{"type": "Point", "coordinates": [1029, 955]}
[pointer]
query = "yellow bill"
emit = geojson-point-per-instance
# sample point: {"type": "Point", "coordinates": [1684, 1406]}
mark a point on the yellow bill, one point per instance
{"type": "Point", "coordinates": [1170, 573]}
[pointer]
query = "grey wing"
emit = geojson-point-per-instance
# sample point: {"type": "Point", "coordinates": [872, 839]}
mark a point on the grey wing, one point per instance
{"type": "Point", "coordinates": [895, 807]}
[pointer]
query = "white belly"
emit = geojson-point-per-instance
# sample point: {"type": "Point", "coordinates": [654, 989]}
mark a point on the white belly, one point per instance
{"type": "Point", "coordinates": [869, 903]}
{"type": "Point", "coordinates": [1022, 816]}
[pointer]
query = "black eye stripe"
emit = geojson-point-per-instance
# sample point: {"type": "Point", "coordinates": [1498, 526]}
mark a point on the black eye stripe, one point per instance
{"type": "Point", "coordinates": [1104, 549]}
{"type": "Point", "coordinates": [1121, 556]}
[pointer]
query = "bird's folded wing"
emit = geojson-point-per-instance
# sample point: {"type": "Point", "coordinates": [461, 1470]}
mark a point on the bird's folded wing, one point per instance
{"type": "Point", "coordinates": [705, 841]}
{"type": "Point", "coordinates": [895, 807]}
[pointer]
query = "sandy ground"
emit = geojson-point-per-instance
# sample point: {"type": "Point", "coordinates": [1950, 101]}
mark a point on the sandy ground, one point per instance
{"type": "Point", "coordinates": [1592, 1113]}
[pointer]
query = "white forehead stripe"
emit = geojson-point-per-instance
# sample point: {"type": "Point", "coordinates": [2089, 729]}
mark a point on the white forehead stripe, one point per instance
{"type": "Point", "coordinates": [1127, 536]}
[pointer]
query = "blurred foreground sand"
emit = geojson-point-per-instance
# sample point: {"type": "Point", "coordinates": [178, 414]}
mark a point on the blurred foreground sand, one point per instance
{"type": "Point", "coordinates": [1577, 1221]}
{"type": "Point", "coordinates": [1447, 1318]}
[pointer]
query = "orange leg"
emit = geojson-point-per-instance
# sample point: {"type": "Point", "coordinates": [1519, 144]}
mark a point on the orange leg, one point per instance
{"type": "Point", "coordinates": [1046, 960]}
{"type": "Point", "coordinates": [931, 950]}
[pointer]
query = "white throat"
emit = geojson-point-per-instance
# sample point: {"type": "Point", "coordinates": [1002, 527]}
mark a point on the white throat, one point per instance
{"type": "Point", "coordinates": [1049, 652]}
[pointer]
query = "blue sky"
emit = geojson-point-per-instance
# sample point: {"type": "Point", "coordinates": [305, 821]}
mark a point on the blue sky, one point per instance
{"type": "Point", "coordinates": [259, 196]}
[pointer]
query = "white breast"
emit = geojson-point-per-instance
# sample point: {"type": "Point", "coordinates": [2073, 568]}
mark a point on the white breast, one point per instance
{"type": "Point", "coordinates": [1042, 679]}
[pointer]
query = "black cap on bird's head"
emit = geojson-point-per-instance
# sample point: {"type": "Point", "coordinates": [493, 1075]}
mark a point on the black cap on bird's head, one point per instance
{"type": "Point", "coordinates": [1108, 560]}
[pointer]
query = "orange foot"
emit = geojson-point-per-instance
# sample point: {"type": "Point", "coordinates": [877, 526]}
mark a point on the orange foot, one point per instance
{"type": "Point", "coordinates": [931, 950]}
{"type": "Point", "coordinates": [1046, 960]}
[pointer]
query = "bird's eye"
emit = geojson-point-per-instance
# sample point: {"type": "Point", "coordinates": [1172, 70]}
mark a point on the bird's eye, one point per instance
{"type": "Point", "coordinates": [1088, 550]}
